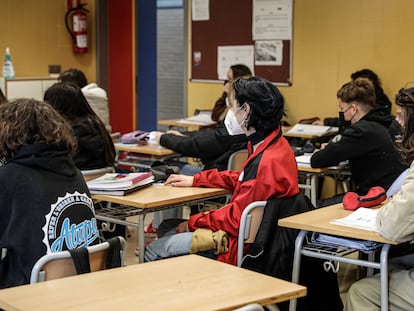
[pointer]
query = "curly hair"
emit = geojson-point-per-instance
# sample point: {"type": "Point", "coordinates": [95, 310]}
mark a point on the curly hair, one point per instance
{"type": "Point", "coordinates": [265, 101]}
{"type": "Point", "coordinates": [405, 99]}
{"type": "Point", "coordinates": [360, 90]}
{"type": "Point", "coordinates": [28, 121]}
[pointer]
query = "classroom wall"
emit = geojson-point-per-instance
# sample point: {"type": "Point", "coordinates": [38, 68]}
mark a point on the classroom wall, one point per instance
{"type": "Point", "coordinates": [36, 35]}
{"type": "Point", "coordinates": [332, 39]}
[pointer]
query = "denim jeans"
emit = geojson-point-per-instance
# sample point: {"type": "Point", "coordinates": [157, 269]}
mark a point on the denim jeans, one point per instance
{"type": "Point", "coordinates": [169, 246]}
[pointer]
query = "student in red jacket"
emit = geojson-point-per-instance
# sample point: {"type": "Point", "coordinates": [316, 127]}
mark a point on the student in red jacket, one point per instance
{"type": "Point", "coordinates": [269, 172]}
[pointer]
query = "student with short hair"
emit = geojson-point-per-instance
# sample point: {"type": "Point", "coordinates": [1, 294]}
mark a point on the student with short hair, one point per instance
{"type": "Point", "coordinates": [366, 144]}
{"type": "Point", "coordinates": [395, 221]}
{"type": "Point", "coordinates": [270, 171]}
{"type": "Point", "coordinates": [45, 205]}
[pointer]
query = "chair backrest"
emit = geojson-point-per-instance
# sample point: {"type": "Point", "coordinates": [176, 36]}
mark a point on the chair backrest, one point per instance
{"type": "Point", "coordinates": [237, 159]}
{"type": "Point", "coordinates": [92, 174]}
{"type": "Point", "coordinates": [60, 264]}
{"type": "Point", "coordinates": [396, 185]}
{"type": "Point", "coordinates": [249, 225]}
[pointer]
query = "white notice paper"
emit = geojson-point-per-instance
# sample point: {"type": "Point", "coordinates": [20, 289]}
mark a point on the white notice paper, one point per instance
{"type": "Point", "coordinates": [272, 19]}
{"type": "Point", "coordinates": [231, 55]}
{"type": "Point", "coordinates": [200, 10]}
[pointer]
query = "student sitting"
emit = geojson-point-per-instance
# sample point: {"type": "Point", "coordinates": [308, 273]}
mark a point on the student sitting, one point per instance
{"type": "Point", "coordinates": [270, 171]}
{"type": "Point", "coordinates": [2, 97]}
{"type": "Point", "coordinates": [44, 201]}
{"type": "Point", "coordinates": [95, 147]}
{"type": "Point", "coordinates": [366, 144]}
{"type": "Point", "coordinates": [234, 72]}
{"type": "Point", "coordinates": [395, 221]}
{"type": "Point", "coordinates": [95, 95]}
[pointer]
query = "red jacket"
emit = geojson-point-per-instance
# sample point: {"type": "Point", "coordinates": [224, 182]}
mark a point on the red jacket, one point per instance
{"type": "Point", "coordinates": [269, 172]}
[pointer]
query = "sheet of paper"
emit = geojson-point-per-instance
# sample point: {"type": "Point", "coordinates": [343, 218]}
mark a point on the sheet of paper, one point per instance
{"type": "Point", "coordinates": [234, 54]}
{"type": "Point", "coordinates": [200, 10]}
{"type": "Point", "coordinates": [309, 129]}
{"type": "Point", "coordinates": [272, 19]}
{"type": "Point", "coordinates": [204, 118]}
{"type": "Point", "coordinates": [362, 218]}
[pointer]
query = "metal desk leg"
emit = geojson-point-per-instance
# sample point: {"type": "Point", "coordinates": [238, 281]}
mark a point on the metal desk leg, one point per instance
{"type": "Point", "coordinates": [141, 238]}
{"type": "Point", "coordinates": [296, 264]}
{"type": "Point", "coordinates": [384, 276]}
{"type": "Point", "coordinates": [314, 188]}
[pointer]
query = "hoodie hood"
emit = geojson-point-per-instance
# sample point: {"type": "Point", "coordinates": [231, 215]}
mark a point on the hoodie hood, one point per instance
{"type": "Point", "coordinates": [49, 157]}
{"type": "Point", "coordinates": [380, 116]}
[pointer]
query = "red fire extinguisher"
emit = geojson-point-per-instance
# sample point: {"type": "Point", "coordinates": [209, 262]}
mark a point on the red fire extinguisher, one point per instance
{"type": "Point", "coordinates": [76, 22]}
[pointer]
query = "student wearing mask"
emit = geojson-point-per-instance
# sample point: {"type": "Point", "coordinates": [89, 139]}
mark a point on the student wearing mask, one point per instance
{"type": "Point", "coordinates": [366, 144]}
{"type": "Point", "coordinates": [269, 172]}
{"type": "Point", "coordinates": [234, 72]}
{"type": "Point", "coordinates": [395, 221]}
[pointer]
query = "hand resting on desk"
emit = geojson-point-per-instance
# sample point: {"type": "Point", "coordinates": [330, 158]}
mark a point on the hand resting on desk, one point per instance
{"type": "Point", "coordinates": [179, 180]}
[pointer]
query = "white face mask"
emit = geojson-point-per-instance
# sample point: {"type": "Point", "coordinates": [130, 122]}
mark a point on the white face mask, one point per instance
{"type": "Point", "coordinates": [232, 126]}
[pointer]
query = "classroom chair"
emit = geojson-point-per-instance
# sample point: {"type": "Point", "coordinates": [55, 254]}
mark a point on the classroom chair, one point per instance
{"type": "Point", "coordinates": [106, 255]}
{"type": "Point", "coordinates": [237, 159]}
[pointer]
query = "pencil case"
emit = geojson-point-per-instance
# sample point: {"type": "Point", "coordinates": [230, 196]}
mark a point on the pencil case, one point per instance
{"type": "Point", "coordinates": [374, 196]}
{"type": "Point", "coordinates": [136, 137]}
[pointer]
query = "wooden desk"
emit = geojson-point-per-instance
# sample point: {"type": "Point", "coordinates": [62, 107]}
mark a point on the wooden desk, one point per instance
{"type": "Point", "coordinates": [311, 183]}
{"type": "Point", "coordinates": [183, 283]}
{"type": "Point", "coordinates": [142, 153]}
{"type": "Point", "coordinates": [151, 199]}
{"type": "Point", "coordinates": [319, 221]}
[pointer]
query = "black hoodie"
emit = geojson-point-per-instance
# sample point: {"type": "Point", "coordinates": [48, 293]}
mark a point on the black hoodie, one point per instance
{"type": "Point", "coordinates": [367, 145]}
{"type": "Point", "coordinates": [44, 207]}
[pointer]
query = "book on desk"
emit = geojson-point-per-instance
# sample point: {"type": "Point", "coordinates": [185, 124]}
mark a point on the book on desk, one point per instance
{"type": "Point", "coordinates": [120, 184]}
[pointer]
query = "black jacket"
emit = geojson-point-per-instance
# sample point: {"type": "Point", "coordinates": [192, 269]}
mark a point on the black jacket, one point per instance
{"type": "Point", "coordinates": [44, 207]}
{"type": "Point", "coordinates": [212, 146]}
{"type": "Point", "coordinates": [91, 146]}
{"type": "Point", "coordinates": [272, 254]}
{"type": "Point", "coordinates": [372, 155]}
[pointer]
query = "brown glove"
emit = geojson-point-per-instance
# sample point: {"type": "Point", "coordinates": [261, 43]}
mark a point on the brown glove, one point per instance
{"type": "Point", "coordinates": [205, 239]}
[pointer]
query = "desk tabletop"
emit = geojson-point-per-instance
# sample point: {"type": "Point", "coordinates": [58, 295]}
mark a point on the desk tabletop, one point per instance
{"type": "Point", "coordinates": [158, 195]}
{"type": "Point", "coordinates": [184, 122]}
{"type": "Point", "coordinates": [150, 149]}
{"type": "Point", "coordinates": [308, 169]}
{"type": "Point", "coordinates": [319, 219]}
{"type": "Point", "coordinates": [182, 283]}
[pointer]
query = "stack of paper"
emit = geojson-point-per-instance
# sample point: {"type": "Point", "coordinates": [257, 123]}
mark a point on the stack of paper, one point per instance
{"type": "Point", "coordinates": [120, 184]}
{"type": "Point", "coordinates": [304, 159]}
{"type": "Point", "coordinates": [335, 241]}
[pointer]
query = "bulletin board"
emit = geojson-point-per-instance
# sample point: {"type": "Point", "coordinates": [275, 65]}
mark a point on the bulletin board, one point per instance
{"type": "Point", "coordinates": [230, 24]}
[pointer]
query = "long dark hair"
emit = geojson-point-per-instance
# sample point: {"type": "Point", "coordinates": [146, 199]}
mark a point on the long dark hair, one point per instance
{"type": "Point", "coordinates": [405, 99]}
{"type": "Point", "coordinates": [67, 99]}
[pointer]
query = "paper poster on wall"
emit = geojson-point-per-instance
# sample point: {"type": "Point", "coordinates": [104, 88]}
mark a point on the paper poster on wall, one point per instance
{"type": "Point", "coordinates": [232, 55]}
{"type": "Point", "coordinates": [272, 19]}
{"type": "Point", "coordinates": [200, 10]}
{"type": "Point", "coordinates": [268, 53]}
